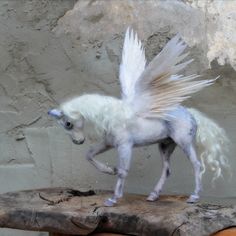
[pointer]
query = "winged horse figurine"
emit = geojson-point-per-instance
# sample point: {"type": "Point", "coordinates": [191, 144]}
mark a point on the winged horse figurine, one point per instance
{"type": "Point", "coordinates": [148, 112]}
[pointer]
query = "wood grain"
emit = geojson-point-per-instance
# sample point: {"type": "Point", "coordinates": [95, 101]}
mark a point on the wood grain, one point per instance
{"type": "Point", "coordinates": [64, 212]}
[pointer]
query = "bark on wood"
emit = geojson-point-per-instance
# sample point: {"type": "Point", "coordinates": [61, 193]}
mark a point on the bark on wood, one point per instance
{"type": "Point", "coordinates": [67, 212]}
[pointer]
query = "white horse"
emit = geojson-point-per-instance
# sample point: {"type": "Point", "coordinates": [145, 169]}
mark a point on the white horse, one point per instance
{"type": "Point", "coordinates": [149, 112]}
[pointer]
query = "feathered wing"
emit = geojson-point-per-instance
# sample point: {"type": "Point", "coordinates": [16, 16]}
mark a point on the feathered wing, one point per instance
{"type": "Point", "coordinates": [159, 88]}
{"type": "Point", "coordinates": [132, 65]}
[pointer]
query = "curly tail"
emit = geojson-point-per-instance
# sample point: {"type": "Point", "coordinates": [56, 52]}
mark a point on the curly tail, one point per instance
{"type": "Point", "coordinates": [212, 142]}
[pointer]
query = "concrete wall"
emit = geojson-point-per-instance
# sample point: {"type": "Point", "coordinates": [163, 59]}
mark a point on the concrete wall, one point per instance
{"type": "Point", "coordinates": [50, 50]}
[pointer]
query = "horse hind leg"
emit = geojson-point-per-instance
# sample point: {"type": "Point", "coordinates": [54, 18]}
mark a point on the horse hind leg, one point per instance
{"type": "Point", "coordinates": [189, 150]}
{"type": "Point", "coordinates": [191, 153]}
{"type": "Point", "coordinates": [184, 136]}
{"type": "Point", "coordinates": [165, 151]}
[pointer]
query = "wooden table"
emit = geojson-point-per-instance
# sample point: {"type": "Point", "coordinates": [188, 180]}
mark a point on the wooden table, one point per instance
{"type": "Point", "coordinates": [63, 212]}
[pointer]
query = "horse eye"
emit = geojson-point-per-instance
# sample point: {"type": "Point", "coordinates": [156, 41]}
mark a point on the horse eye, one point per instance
{"type": "Point", "coordinates": [68, 125]}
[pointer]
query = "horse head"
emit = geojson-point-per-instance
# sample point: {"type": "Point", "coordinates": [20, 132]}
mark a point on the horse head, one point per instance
{"type": "Point", "coordinates": [72, 127]}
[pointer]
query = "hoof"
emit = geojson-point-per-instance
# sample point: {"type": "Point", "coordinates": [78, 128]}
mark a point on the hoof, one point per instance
{"type": "Point", "coordinates": [115, 171]}
{"type": "Point", "coordinates": [111, 171]}
{"type": "Point", "coordinates": [193, 199]}
{"type": "Point", "coordinates": [110, 202]}
{"type": "Point", "coordinates": [119, 195]}
{"type": "Point", "coordinates": [153, 196]}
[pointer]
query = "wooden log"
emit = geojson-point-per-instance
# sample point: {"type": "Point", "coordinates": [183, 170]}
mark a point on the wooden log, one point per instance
{"type": "Point", "coordinates": [226, 232]}
{"type": "Point", "coordinates": [57, 234]}
{"type": "Point", "coordinates": [95, 234]}
{"type": "Point", "coordinates": [71, 212]}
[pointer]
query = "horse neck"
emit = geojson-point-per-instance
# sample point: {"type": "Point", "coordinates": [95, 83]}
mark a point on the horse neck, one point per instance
{"type": "Point", "coordinates": [104, 112]}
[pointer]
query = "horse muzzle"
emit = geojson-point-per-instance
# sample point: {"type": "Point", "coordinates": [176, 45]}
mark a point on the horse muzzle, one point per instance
{"type": "Point", "coordinates": [78, 142]}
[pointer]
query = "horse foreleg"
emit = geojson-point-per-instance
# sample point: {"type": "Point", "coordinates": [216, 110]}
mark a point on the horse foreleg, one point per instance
{"type": "Point", "coordinates": [165, 152]}
{"type": "Point", "coordinates": [95, 150]}
{"type": "Point", "coordinates": [124, 155]}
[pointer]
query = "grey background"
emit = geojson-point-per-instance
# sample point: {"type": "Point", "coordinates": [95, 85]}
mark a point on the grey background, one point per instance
{"type": "Point", "coordinates": [51, 50]}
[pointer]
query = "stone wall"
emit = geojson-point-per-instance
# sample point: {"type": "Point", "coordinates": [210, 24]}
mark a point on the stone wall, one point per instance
{"type": "Point", "coordinates": [51, 50]}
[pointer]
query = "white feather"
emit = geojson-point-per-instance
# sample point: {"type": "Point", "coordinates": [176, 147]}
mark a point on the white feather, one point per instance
{"type": "Point", "coordinates": [132, 65]}
{"type": "Point", "coordinates": [159, 89]}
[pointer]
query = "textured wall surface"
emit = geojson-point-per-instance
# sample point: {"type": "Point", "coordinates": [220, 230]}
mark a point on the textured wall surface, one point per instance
{"type": "Point", "coordinates": [51, 50]}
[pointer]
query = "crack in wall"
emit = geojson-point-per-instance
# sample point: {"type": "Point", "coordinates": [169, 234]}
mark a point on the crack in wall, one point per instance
{"type": "Point", "coordinates": [18, 128]}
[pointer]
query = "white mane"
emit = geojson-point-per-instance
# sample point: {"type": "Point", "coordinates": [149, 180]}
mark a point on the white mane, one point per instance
{"type": "Point", "coordinates": [106, 113]}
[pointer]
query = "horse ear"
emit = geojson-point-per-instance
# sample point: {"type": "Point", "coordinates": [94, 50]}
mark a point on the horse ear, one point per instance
{"type": "Point", "coordinates": [55, 113]}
